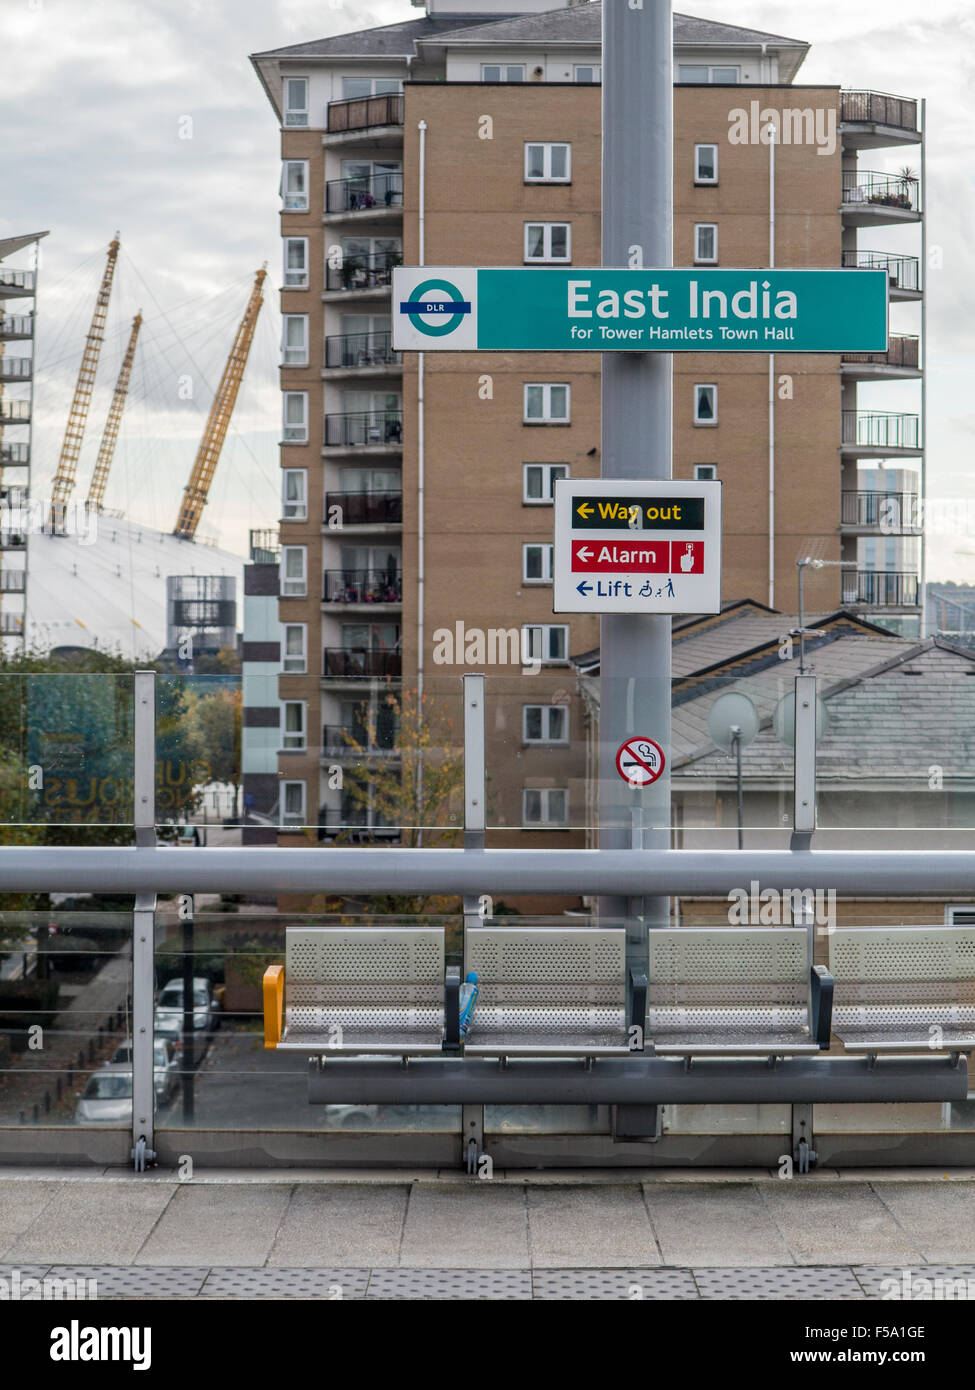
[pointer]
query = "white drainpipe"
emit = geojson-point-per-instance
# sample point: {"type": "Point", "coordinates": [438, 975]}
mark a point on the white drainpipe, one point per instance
{"type": "Point", "coordinates": [771, 381]}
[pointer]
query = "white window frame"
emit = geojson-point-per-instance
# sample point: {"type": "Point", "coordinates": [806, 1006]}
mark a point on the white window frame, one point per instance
{"type": "Point", "coordinates": [295, 115]}
{"type": "Point", "coordinates": [294, 356]}
{"type": "Point", "coordinates": [545, 822]}
{"type": "Point", "coordinates": [546, 417]}
{"type": "Point", "coordinates": [294, 202]}
{"type": "Point", "coordinates": [699, 179]}
{"type": "Point", "coordinates": [299, 736]}
{"type": "Point", "coordinates": [547, 498]}
{"type": "Point", "coordinates": [548, 561]}
{"type": "Point", "coordinates": [536, 638]}
{"type": "Point", "coordinates": [595, 68]}
{"type": "Point", "coordinates": [505, 68]}
{"type": "Point", "coordinates": [299, 583]}
{"type": "Point", "coordinates": [699, 387]}
{"type": "Point", "coordinates": [546, 734]}
{"type": "Point", "coordinates": [547, 146]}
{"type": "Point", "coordinates": [294, 432]}
{"type": "Point", "coordinates": [711, 69]}
{"type": "Point", "coordinates": [700, 227]}
{"type": "Point", "coordinates": [294, 279]}
{"type": "Point", "coordinates": [705, 472]}
{"type": "Point", "coordinates": [547, 258]}
{"type": "Point", "coordinates": [291, 664]}
{"type": "Point", "coordinates": [294, 509]}
{"type": "Point", "coordinates": [293, 817]}
{"type": "Point", "coordinates": [952, 908]}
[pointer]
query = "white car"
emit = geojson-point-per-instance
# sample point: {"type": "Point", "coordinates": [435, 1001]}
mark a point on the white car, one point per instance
{"type": "Point", "coordinates": [169, 1008]}
{"type": "Point", "coordinates": [165, 1068]}
{"type": "Point", "coordinates": [107, 1098]}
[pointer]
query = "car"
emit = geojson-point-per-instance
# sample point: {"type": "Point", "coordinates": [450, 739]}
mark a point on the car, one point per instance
{"type": "Point", "coordinates": [353, 1116]}
{"type": "Point", "coordinates": [107, 1098]}
{"type": "Point", "coordinates": [165, 1068]}
{"type": "Point", "coordinates": [169, 1009]}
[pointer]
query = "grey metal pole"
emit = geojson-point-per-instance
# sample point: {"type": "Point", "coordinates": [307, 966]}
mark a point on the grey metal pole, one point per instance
{"type": "Point", "coordinates": [143, 920]}
{"type": "Point", "coordinates": [736, 738]}
{"type": "Point", "coordinates": [637, 427]}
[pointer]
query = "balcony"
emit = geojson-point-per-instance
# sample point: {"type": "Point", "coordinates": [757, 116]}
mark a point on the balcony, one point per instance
{"type": "Point", "coordinates": [352, 740]}
{"type": "Point", "coordinates": [873, 200]}
{"type": "Point", "coordinates": [880, 588]}
{"type": "Point", "coordinates": [366, 508]}
{"type": "Point", "coordinates": [375, 588]}
{"type": "Point", "coordinates": [16, 368]}
{"type": "Point", "coordinates": [13, 326]}
{"type": "Point", "coordinates": [900, 361]}
{"type": "Point", "coordinates": [265, 547]}
{"type": "Point", "coordinates": [875, 434]}
{"type": "Point", "coordinates": [361, 663]}
{"type": "Point", "coordinates": [377, 193]}
{"type": "Point", "coordinates": [353, 824]}
{"type": "Point", "coordinates": [13, 581]}
{"type": "Point", "coordinates": [362, 274]}
{"type": "Point", "coordinates": [352, 352]}
{"type": "Point", "coordinates": [884, 513]}
{"type": "Point", "coordinates": [16, 284]}
{"type": "Point", "coordinates": [14, 412]}
{"type": "Point", "coordinates": [365, 113]}
{"type": "Point", "coordinates": [903, 272]}
{"type": "Point", "coordinates": [871, 120]}
{"type": "Point", "coordinates": [12, 624]}
{"type": "Point", "coordinates": [14, 455]}
{"type": "Point", "coordinates": [376, 430]}
{"type": "Point", "coordinates": [12, 539]}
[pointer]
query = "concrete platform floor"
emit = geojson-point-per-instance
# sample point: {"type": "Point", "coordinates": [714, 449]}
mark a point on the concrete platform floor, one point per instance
{"type": "Point", "coordinates": [395, 1234]}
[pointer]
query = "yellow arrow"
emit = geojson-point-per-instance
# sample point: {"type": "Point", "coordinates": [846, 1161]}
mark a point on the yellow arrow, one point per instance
{"type": "Point", "coordinates": [584, 509]}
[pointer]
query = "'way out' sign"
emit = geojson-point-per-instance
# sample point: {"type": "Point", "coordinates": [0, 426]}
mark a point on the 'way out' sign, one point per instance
{"type": "Point", "coordinates": [556, 309]}
{"type": "Point", "coordinates": [623, 546]}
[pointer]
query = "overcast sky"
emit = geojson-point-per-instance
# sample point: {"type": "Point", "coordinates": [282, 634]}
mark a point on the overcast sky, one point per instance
{"type": "Point", "coordinates": [93, 102]}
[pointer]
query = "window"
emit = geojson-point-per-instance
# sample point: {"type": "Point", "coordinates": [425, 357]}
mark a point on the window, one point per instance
{"type": "Point", "coordinates": [546, 404]}
{"type": "Point", "coordinates": [294, 185]}
{"type": "Point", "coordinates": [370, 86]}
{"type": "Point", "coordinates": [705, 472]}
{"type": "Point", "coordinates": [545, 806]}
{"type": "Point", "coordinates": [293, 735]}
{"type": "Point", "coordinates": [502, 72]}
{"type": "Point", "coordinates": [705, 164]}
{"type": "Point", "coordinates": [296, 263]}
{"type": "Point", "coordinates": [544, 724]}
{"type": "Point", "coordinates": [294, 340]}
{"type": "Point", "coordinates": [295, 417]}
{"type": "Point", "coordinates": [588, 72]}
{"type": "Point", "coordinates": [959, 914]}
{"type": "Point", "coordinates": [547, 163]}
{"type": "Point", "coordinates": [547, 241]}
{"type": "Point", "coordinates": [296, 101]}
{"type": "Point", "coordinates": [705, 405]}
{"type": "Point", "coordinates": [292, 803]}
{"type": "Point", "coordinates": [705, 243]}
{"type": "Point", "coordinates": [545, 642]}
{"type": "Point", "coordinates": [294, 571]}
{"type": "Point", "coordinates": [725, 75]}
{"type": "Point", "coordinates": [701, 72]}
{"type": "Point", "coordinates": [294, 660]}
{"type": "Point", "coordinates": [539, 482]}
{"type": "Point", "coordinates": [536, 563]}
{"type": "Point", "coordinates": [294, 494]}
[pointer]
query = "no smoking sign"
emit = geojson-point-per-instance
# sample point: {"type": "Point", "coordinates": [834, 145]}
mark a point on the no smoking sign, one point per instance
{"type": "Point", "coordinates": [640, 761]}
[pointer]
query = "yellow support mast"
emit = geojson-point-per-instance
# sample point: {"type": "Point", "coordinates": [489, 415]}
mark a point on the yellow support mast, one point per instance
{"type": "Point", "coordinates": [78, 415]}
{"type": "Point", "coordinates": [99, 478]}
{"type": "Point", "coordinates": [197, 489]}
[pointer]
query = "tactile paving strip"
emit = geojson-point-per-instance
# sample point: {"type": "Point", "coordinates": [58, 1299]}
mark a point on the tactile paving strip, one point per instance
{"type": "Point", "coordinates": [231, 1282]}
{"type": "Point", "coordinates": [955, 1283]}
{"type": "Point", "coordinates": [450, 1283]}
{"type": "Point", "coordinates": [136, 1281]}
{"type": "Point", "coordinates": [782, 1281]}
{"type": "Point", "coordinates": [636, 1284]}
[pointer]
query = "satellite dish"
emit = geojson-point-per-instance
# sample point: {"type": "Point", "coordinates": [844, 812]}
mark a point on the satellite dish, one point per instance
{"type": "Point", "coordinates": [784, 719]}
{"type": "Point", "coordinates": [731, 712]}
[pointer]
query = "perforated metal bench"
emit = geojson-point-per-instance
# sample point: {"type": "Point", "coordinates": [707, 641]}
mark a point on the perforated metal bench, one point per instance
{"type": "Point", "coordinates": [549, 991]}
{"type": "Point", "coordinates": [904, 989]}
{"type": "Point", "coordinates": [733, 990]}
{"type": "Point", "coordinates": [357, 990]}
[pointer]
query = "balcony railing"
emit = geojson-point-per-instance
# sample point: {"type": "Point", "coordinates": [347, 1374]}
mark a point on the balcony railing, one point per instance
{"type": "Point", "coordinates": [16, 368]}
{"type": "Point", "coordinates": [880, 588]}
{"type": "Point", "coordinates": [364, 427]}
{"type": "Point", "coordinates": [365, 508]}
{"type": "Point", "coordinates": [352, 738]}
{"type": "Point", "coordinates": [16, 279]}
{"type": "Point", "coordinates": [12, 624]}
{"type": "Point", "coordinates": [877, 108]}
{"type": "Point", "coordinates": [360, 663]}
{"type": "Point", "coordinates": [363, 272]}
{"type": "Point", "coordinates": [359, 113]}
{"type": "Point", "coordinates": [362, 586]}
{"type": "Point", "coordinates": [14, 412]}
{"type": "Point", "coordinates": [265, 547]}
{"type": "Point", "coordinates": [12, 539]}
{"type": "Point", "coordinates": [361, 350]}
{"type": "Point", "coordinates": [902, 351]}
{"type": "Point", "coordinates": [14, 454]}
{"type": "Point", "coordinates": [903, 271]}
{"type": "Point", "coordinates": [16, 326]}
{"type": "Point", "coordinates": [13, 581]}
{"type": "Point", "coordinates": [890, 512]}
{"type": "Point", "coordinates": [883, 190]}
{"type": "Point", "coordinates": [365, 194]}
{"type": "Point", "coordinates": [870, 429]}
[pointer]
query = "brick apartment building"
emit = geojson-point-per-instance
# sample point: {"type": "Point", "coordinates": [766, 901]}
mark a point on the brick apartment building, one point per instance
{"type": "Point", "coordinates": [503, 111]}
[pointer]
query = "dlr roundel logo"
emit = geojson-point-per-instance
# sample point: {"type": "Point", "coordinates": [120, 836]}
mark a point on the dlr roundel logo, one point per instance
{"type": "Point", "coordinates": [436, 308]}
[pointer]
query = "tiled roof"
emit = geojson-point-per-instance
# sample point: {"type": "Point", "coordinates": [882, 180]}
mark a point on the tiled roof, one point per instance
{"type": "Point", "coordinates": [390, 40]}
{"type": "Point", "coordinates": [582, 24]}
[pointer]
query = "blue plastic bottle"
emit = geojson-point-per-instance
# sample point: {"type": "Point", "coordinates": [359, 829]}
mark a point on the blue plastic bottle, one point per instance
{"type": "Point", "coordinates": [468, 998]}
